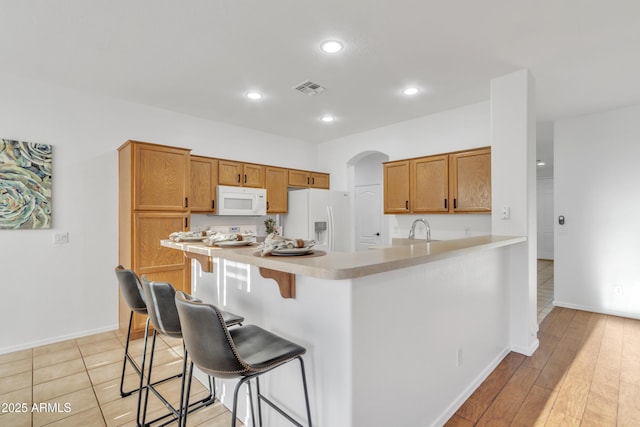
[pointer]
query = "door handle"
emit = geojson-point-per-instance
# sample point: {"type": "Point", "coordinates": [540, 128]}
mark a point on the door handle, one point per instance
{"type": "Point", "coordinates": [377, 234]}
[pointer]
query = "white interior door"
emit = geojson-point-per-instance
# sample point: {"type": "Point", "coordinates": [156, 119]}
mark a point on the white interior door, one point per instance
{"type": "Point", "coordinates": [545, 218]}
{"type": "Point", "coordinates": [368, 216]}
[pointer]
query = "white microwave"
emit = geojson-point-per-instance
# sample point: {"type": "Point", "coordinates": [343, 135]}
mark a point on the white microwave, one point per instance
{"type": "Point", "coordinates": [241, 201]}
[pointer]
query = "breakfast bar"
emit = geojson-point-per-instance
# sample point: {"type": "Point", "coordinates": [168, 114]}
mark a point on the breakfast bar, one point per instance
{"type": "Point", "coordinates": [395, 335]}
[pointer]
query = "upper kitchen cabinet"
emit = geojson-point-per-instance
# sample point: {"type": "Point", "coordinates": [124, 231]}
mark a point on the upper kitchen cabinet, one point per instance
{"type": "Point", "coordinates": [306, 179]}
{"type": "Point", "coordinates": [160, 176]}
{"type": "Point", "coordinates": [445, 183]}
{"type": "Point", "coordinates": [396, 187]}
{"type": "Point", "coordinates": [204, 180]}
{"type": "Point", "coordinates": [240, 174]}
{"type": "Point", "coordinates": [470, 180]}
{"type": "Point", "coordinates": [430, 184]}
{"type": "Point", "coordinates": [276, 180]}
{"type": "Point", "coordinates": [320, 180]}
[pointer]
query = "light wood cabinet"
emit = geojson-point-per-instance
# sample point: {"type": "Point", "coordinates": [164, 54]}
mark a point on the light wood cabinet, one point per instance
{"type": "Point", "coordinates": [320, 180]}
{"type": "Point", "coordinates": [153, 202]}
{"type": "Point", "coordinates": [430, 184]}
{"type": "Point", "coordinates": [204, 180]}
{"type": "Point", "coordinates": [396, 187]}
{"type": "Point", "coordinates": [240, 174]}
{"type": "Point", "coordinates": [446, 183]}
{"type": "Point", "coordinates": [470, 176]}
{"type": "Point", "coordinates": [276, 180]}
{"type": "Point", "coordinates": [307, 179]}
{"type": "Point", "coordinates": [160, 177]}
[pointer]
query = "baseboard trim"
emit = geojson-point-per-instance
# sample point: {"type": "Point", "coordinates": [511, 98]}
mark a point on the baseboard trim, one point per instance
{"type": "Point", "coordinates": [468, 391]}
{"type": "Point", "coordinates": [596, 310]}
{"type": "Point", "coordinates": [527, 351]}
{"type": "Point", "coordinates": [52, 340]}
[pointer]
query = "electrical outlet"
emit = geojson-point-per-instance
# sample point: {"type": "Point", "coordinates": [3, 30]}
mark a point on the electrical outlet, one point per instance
{"type": "Point", "coordinates": [234, 229]}
{"type": "Point", "coordinates": [618, 290]}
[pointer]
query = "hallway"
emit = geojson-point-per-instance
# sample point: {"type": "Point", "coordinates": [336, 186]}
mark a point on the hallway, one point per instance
{"type": "Point", "coordinates": [545, 288]}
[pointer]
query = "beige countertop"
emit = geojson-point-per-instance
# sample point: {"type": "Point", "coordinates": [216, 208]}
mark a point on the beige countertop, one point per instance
{"type": "Point", "coordinates": [349, 265]}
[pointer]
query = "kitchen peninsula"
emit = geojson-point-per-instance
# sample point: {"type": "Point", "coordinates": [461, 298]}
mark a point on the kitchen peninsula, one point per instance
{"type": "Point", "coordinates": [397, 335]}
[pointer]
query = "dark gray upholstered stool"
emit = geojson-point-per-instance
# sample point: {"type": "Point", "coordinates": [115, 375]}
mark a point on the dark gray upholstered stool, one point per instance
{"type": "Point", "coordinates": [133, 295]}
{"type": "Point", "coordinates": [161, 308]}
{"type": "Point", "coordinates": [245, 352]}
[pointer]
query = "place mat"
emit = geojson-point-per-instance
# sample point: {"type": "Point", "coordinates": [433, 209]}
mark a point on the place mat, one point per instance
{"type": "Point", "coordinates": [315, 253]}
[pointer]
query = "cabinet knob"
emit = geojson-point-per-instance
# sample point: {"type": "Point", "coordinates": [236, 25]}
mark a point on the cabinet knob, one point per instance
{"type": "Point", "coordinates": [406, 204]}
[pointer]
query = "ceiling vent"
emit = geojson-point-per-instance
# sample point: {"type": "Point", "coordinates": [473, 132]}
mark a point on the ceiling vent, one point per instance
{"type": "Point", "coordinates": [309, 88]}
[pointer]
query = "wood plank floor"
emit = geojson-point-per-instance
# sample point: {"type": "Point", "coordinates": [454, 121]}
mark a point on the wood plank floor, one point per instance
{"type": "Point", "coordinates": [586, 372]}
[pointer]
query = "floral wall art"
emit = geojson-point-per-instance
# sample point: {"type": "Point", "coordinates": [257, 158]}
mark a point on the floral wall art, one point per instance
{"type": "Point", "coordinates": [25, 185]}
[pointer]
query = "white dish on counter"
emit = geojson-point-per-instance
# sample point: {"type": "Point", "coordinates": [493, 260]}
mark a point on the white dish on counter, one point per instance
{"type": "Point", "coordinates": [291, 251]}
{"type": "Point", "coordinates": [233, 243]}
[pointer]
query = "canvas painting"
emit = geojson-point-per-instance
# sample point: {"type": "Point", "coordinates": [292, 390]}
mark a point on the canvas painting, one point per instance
{"type": "Point", "coordinates": [25, 185]}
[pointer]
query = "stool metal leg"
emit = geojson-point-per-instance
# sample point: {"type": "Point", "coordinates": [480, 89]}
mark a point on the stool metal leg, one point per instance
{"type": "Point", "coordinates": [176, 413]}
{"type": "Point", "coordinates": [129, 358]}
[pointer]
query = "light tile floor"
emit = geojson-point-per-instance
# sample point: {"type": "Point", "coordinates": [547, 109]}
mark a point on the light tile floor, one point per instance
{"type": "Point", "coordinates": [545, 288]}
{"type": "Point", "coordinates": [76, 383]}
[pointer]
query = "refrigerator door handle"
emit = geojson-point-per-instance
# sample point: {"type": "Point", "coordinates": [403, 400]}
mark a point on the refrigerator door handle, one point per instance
{"type": "Point", "coordinates": [330, 230]}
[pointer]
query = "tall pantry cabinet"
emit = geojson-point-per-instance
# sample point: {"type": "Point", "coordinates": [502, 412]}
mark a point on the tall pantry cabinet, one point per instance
{"type": "Point", "coordinates": [153, 202]}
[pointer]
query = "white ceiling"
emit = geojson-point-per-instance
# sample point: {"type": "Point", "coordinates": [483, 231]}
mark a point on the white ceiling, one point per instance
{"type": "Point", "coordinates": [200, 57]}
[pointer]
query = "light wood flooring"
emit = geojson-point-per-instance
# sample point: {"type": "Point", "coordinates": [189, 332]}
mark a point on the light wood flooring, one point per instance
{"type": "Point", "coordinates": [585, 373]}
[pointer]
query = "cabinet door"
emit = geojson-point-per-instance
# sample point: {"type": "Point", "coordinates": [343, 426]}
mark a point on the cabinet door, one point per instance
{"type": "Point", "coordinates": [229, 173]}
{"type": "Point", "coordinates": [276, 185]}
{"type": "Point", "coordinates": [298, 178]}
{"type": "Point", "coordinates": [204, 179]}
{"type": "Point", "coordinates": [470, 176]}
{"type": "Point", "coordinates": [430, 184]}
{"type": "Point", "coordinates": [320, 180]}
{"type": "Point", "coordinates": [253, 175]}
{"type": "Point", "coordinates": [160, 178]}
{"type": "Point", "coordinates": [396, 187]}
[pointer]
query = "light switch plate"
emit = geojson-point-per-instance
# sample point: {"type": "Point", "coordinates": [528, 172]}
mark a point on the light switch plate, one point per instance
{"type": "Point", "coordinates": [61, 238]}
{"type": "Point", "coordinates": [506, 212]}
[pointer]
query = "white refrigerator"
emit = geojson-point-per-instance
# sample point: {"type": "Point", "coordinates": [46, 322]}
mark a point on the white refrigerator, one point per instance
{"type": "Point", "coordinates": [320, 215]}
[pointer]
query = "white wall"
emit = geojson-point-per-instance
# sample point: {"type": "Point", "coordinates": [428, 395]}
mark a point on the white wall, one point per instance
{"type": "Point", "coordinates": [452, 130]}
{"type": "Point", "coordinates": [596, 178]}
{"type": "Point", "coordinates": [54, 292]}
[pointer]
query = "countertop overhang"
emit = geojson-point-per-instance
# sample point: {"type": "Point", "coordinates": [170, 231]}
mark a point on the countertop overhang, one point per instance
{"type": "Point", "coordinates": [350, 265]}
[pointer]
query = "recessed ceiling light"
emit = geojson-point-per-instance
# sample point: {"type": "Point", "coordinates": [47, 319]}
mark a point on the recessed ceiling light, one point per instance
{"type": "Point", "coordinates": [254, 95]}
{"type": "Point", "coordinates": [411, 91]}
{"type": "Point", "coordinates": [327, 118]}
{"type": "Point", "coordinates": [540, 163]}
{"type": "Point", "coordinates": [331, 46]}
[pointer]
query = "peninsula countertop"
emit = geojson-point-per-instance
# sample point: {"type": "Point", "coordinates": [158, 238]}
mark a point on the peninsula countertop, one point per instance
{"type": "Point", "coordinates": [350, 265]}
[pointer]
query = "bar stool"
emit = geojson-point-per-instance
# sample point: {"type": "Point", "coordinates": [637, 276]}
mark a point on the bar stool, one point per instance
{"type": "Point", "coordinates": [245, 352]}
{"type": "Point", "coordinates": [133, 295]}
{"type": "Point", "coordinates": [163, 316]}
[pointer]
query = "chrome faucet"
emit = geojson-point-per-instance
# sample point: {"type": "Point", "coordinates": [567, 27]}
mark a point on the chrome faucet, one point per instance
{"type": "Point", "coordinates": [412, 233]}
